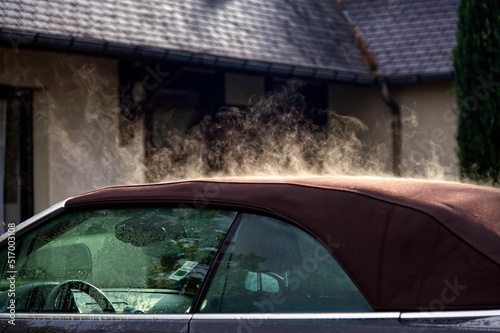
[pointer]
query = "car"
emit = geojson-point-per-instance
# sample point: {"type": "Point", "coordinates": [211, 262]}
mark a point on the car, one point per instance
{"type": "Point", "coordinates": [268, 254]}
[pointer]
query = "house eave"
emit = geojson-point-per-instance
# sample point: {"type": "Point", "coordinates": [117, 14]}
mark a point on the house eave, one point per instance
{"type": "Point", "coordinates": [415, 78]}
{"type": "Point", "coordinates": [23, 39]}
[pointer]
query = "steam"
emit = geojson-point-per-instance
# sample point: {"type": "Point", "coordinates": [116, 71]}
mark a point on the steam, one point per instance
{"type": "Point", "coordinates": [425, 156]}
{"type": "Point", "coordinates": [75, 127]}
{"type": "Point", "coordinates": [77, 135]}
{"type": "Point", "coordinates": [276, 137]}
{"type": "Point", "coordinates": [273, 137]}
{"type": "Point", "coordinates": [86, 152]}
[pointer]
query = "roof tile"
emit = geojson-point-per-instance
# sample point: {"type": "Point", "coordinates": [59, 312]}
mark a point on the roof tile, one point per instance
{"type": "Point", "coordinates": [418, 35]}
{"type": "Point", "coordinates": [297, 33]}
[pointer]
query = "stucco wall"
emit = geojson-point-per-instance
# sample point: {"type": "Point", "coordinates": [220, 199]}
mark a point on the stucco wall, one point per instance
{"type": "Point", "coordinates": [429, 125]}
{"type": "Point", "coordinates": [366, 104]}
{"type": "Point", "coordinates": [76, 107]}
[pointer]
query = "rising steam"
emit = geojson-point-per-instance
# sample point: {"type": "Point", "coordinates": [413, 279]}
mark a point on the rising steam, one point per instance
{"type": "Point", "coordinates": [273, 137]}
{"type": "Point", "coordinates": [77, 135]}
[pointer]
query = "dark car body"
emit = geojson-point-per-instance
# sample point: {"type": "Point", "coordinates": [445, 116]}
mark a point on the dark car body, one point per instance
{"type": "Point", "coordinates": [349, 254]}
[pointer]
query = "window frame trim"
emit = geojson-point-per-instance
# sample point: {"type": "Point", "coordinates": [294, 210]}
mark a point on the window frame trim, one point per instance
{"type": "Point", "coordinates": [214, 266]}
{"type": "Point", "coordinates": [298, 315]}
{"type": "Point", "coordinates": [34, 221]}
{"type": "Point", "coordinates": [98, 316]}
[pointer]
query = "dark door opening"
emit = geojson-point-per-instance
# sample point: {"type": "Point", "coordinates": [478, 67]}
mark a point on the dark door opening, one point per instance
{"type": "Point", "coordinates": [16, 154]}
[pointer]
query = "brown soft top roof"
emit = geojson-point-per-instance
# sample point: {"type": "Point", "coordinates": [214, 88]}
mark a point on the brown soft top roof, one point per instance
{"type": "Point", "coordinates": [470, 211]}
{"type": "Point", "coordinates": [372, 225]}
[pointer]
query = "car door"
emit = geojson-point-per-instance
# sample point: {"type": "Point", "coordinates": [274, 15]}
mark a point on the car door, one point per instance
{"type": "Point", "coordinates": [121, 269]}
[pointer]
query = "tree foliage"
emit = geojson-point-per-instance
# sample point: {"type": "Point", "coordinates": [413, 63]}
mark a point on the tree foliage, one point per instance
{"type": "Point", "coordinates": [477, 83]}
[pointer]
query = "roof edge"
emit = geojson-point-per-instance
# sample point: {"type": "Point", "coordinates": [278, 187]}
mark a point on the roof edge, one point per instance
{"type": "Point", "coordinates": [408, 79]}
{"type": "Point", "coordinates": [32, 40]}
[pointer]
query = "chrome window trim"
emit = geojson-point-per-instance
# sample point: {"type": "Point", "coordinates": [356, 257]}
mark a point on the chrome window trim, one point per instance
{"type": "Point", "coordinates": [450, 314]}
{"type": "Point", "coordinates": [301, 315]}
{"type": "Point", "coordinates": [58, 206]}
{"type": "Point", "coordinates": [96, 316]}
{"type": "Point", "coordinates": [260, 316]}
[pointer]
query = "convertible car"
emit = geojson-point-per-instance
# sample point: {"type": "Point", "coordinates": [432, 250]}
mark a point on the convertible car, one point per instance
{"type": "Point", "coordinates": [312, 254]}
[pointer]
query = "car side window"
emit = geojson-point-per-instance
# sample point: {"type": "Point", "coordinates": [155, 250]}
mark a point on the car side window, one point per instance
{"type": "Point", "coordinates": [130, 260]}
{"type": "Point", "coordinates": [272, 266]}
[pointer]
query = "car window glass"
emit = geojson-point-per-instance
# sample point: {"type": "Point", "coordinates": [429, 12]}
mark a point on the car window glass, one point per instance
{"type": "Point", "coordinates": [272, 266]}
{"type": "Point", "coordinates": [135, 260]}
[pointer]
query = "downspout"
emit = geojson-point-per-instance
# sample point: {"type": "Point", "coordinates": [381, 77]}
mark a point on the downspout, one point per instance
{"type": "Point", "coordinates": [395, 108]}
{"type": "Point", "coordinates": [396, 129]}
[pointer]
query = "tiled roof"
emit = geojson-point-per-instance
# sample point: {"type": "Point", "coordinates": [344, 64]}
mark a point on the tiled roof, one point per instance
{"type": "Point", "coordinates": [299, 32]}
{"type": "Point", "coordinates": [407, 37]}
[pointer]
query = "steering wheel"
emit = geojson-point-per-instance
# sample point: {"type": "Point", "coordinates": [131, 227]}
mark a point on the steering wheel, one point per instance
{"type": "Point", "coordinates": [59, 298]}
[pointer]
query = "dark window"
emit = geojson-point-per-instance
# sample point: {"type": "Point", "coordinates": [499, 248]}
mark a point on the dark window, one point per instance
{"type": "Point", "coordinates": [172, 111]}
{"type": "Point", "coordinates": [272, 266]}
{"type": "Point", "coordinates": [315, 96]}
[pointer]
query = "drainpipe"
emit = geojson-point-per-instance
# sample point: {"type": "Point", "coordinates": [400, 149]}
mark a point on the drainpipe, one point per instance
{"type": "Point", "coordinates": [395, 108]}
{"type": "Point", "coordinates": [396, 129]}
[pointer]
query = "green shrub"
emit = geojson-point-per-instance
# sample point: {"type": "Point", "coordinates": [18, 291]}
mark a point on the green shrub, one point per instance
{"type": "Point", "coordinates": [477, 83]}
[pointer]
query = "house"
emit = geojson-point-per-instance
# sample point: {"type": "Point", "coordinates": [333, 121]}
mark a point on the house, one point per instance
{"type": "Point", "coordinates": [412, 44]}
{"type": "Point", "coordinates": [95, 93]}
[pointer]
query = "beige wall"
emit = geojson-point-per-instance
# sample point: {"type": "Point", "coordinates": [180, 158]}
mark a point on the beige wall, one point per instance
{"type": "Point", "coordinates": [429, 125]}
{"type": "Point", "coordinates": [366, 104]}
{"type": "Point", "coordinates": [76, 107]}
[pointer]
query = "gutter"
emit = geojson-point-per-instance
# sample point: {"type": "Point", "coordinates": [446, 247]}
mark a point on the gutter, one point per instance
{"type": "Point", "coordinates": [21, 39]}
{"type": "Point", "coordinates": [416, 78]}
{"type": "Point", "coordinates": [394, 107]}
